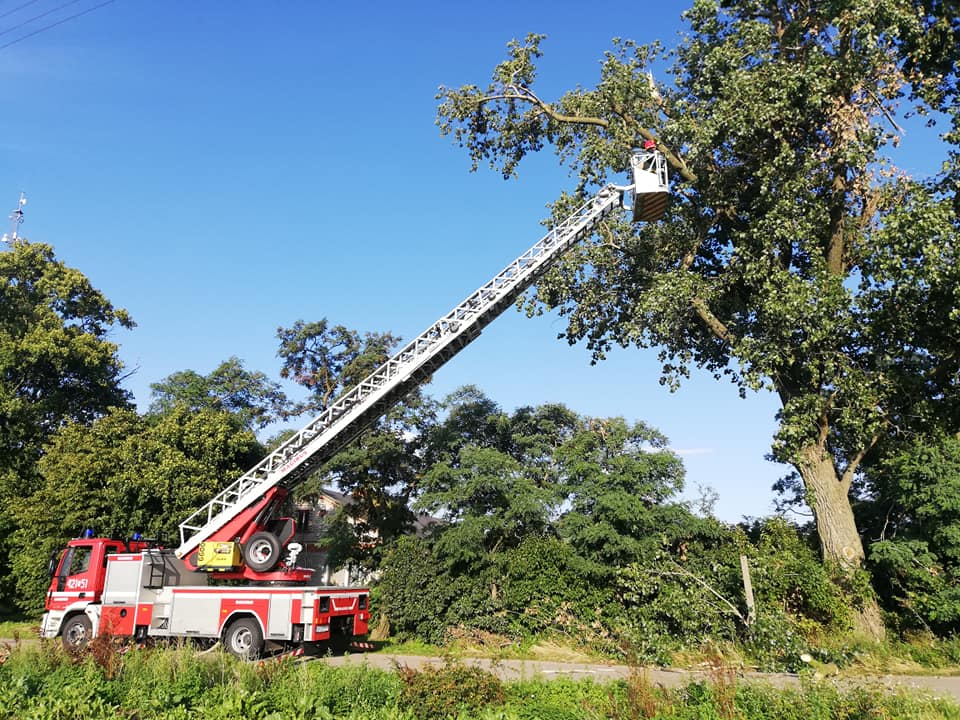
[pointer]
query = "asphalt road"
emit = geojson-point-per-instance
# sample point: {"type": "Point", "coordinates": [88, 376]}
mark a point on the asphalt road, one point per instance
{"type": "Point", "coordinates": [944, 686]}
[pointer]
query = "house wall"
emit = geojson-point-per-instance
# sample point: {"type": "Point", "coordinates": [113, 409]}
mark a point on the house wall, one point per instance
{"type": "Point", "coordinates": [312, 520]}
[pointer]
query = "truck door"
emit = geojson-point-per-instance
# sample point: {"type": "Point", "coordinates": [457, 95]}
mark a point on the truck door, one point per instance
{"type": "Point", "coordinates": [74, 579]}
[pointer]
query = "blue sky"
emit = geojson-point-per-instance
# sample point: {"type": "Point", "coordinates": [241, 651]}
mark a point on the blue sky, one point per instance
{"type": "Point", "coordinates": [223, 168]}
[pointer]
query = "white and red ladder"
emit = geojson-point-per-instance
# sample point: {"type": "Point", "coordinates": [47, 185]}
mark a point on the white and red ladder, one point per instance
{"type": "Point", "coordinates": [359, 407]}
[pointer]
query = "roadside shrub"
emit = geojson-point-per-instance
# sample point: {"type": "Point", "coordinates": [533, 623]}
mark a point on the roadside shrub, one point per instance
{"type": "Point", "coordinates": [436, 693]}
{"type": "Point", "coordinates": [774, 642]}
{"type": "Point", "coordinates": [533, 589]}
{"type": "Point", "coordinates": [789, 575]}
{"type": "Point", "coordinates": [690, 595]}
{"type": "Point", "coordinates": [413, 594]}
{"type": "Point", "coordinates": [558, 699]}
{"type": "Point", "coordinates": [914, 515]}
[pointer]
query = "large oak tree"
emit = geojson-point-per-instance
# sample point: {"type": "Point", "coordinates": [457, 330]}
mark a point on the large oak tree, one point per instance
{"type": "Point", "coordinates": [796, 256]}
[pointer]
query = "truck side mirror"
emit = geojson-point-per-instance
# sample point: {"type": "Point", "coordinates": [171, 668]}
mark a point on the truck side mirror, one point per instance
{"type": "Point", "coordinates": [52, 562]}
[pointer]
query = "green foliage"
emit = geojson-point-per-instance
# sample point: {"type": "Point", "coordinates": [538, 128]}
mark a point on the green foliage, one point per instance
{"type": "Point", "coordinates": [930, 651]}
{"type": "Point", "coordinates": [538, 588]}
{"type": "Point", "coordinates": [379, 469]}
{"type": "Point", "coordinates": [57, 363]}
{"type": "Point", "coordinates": [546, 589]}
{"type": "Point", "coordinates": [256, 400]}
{"type": "Point", "coordinates": [690, 595]}
{"type": "Point", "coordinates": [490, 500]}
{"type": "Point", "coordinates": [491, 475]}
{"type": "Point", "coordinates": [540, 508]}
{"type": "Point", "coordinates": [414, 592]}
{"type": "Point", "coordinates": [558, 699]}
{"type": "Point", "coordinates": [438, 693]}
{"type": "Point", "coordinates": [557, 524]}
{"type": "Point", "coordinates": [178, 684]}
{"type": "Point", "coordinates": [328, 360]}
{"type": "Point", "coordinates": [916, 513]}
{"type": "Point", "coordinates": [56, 366]}
{"type": "Point", "coordinates": [787, 573]}
{"type": "Point", "coordinates": [619, 479]}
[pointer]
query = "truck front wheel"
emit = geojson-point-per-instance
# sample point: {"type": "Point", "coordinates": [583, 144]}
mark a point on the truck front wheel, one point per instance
{"type": "Point", "coordinates": [244, 639]}
{"type": "Point", "coordinates": [77, 632]}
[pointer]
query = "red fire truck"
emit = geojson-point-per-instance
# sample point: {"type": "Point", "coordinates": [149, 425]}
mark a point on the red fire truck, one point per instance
{"type": "Point", "coordinates": [130, 589]}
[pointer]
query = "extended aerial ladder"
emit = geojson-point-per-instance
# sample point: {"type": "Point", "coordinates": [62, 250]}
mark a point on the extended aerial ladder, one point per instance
{"type": "Point", "coordinates": [236, 533]}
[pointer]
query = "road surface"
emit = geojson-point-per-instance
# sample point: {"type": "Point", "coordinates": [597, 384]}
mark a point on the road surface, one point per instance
{"type": "Point", "coordinates": [943, 686]}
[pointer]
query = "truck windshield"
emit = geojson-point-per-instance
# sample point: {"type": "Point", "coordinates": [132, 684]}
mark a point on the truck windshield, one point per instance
{"type": "Point", "coordinates": [80, 560]}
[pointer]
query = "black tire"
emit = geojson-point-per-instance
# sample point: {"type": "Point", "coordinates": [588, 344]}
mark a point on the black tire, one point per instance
{"type": "Point", "coordinates": [76, 633]}
{"type": "Point", "coordinates": [262, 552]}
{"type": "Point", "coordinates": [244, 639]}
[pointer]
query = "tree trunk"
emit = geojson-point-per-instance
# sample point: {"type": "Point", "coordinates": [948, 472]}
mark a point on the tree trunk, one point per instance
{"type": "Point", "coordinates": [840, 541]}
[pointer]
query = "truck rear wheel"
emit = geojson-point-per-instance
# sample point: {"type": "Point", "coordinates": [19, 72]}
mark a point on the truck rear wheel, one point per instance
{"type": "Point", "coordinates": [262, 552]}
{"type": "Point", "coordinates": [244, 639]}
{"type": "Point", "coordinates": [77, 632]}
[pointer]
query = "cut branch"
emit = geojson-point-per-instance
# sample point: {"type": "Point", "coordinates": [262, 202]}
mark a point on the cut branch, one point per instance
{"type": "Point", "coordinates": [703, 583]}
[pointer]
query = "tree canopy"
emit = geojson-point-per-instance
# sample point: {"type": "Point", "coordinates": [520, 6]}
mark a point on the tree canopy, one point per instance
{"type": "Point", "coordinates": [250, 395]}
{"type": "Point", "coordinates": [378, 470]}
{"type": "Point", "coordinates": [328, 360]}
{"type": "Point", "coordinates": [556, 523]}
{"type": "Point", "coordinates": [57, 366]}
{"type": "Point", "coordinates": [56, 363]}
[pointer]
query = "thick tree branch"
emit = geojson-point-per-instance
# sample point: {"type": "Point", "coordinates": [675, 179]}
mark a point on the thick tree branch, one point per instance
{"type": "Point", "coordinates": [525, 95]}
{"type": "Point", "coordinates": [837, 216]}
{"type": "Point", "coordinates": [852, 466]}
{"type": "Point", "coordinates": [711, 321]}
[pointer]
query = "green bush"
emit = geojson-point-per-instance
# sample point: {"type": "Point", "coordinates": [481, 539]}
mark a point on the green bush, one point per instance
{"type": "Point", "coordinates": [689, 594]}
{"type": "Point", "coordinates": [438, 693]}
{"type": "Point", "coordinates": [559, 699]}
{"type": "Point", "coordinates": [536, 588]}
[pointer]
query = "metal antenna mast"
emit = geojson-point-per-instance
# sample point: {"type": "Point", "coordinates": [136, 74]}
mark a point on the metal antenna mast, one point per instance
{"type": "Point", "coordinates": [16, 220]}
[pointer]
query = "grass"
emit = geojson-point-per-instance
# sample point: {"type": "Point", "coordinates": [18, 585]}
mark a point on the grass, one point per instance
{"type": "Point", "coordinates": [915, 655]}
{"type": "Point", "coordinates": [11, 629]}
{"type": "Point", "coordinates": [42, 681]}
